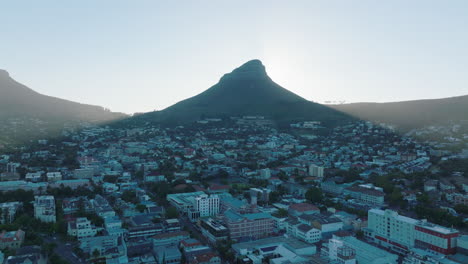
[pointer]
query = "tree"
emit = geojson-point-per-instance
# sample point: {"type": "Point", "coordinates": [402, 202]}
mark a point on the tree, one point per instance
{"type": "Point", "coordinates": [96, 253]}
{"type": "Point", "coordinates": [171, 212]}
{"type": "Point", "coordinates": [141, 207]}
{"type": "Point", "coordinates": [314, 195]}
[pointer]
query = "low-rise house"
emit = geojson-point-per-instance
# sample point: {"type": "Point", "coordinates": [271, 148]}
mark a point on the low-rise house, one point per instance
{"type": "Point", "coordinates": [54, 176]}
{"type": "Point", "coordinates": [167, 254]}
{"type": "Point", "coordinates": [12, 239]}
{"type": "Point", "coordinates": [303, 208]}
{"type": "Point", "coordinates": [169, 238]}
{"type": "Point", "coordinates": [27, 255]}
{"type": "Point", "coordinates": [206, 258]}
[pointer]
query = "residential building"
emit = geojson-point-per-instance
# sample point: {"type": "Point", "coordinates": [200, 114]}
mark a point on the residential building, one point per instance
{"type": "Point", "coordinates": [302, 208]}
{"type": "Point", "coordinates": [169, 238]}
{"type": "Point", "coordinates": [54, 176]}
{"type": "Point", "coordinates": [44, 208]}
{"type": "Point", "coordinates": [254, 225]}
{"type": "Point", "coordinates": [350, 250]}
{"type": "Point", "coordinates": [304, 232]}
{"type": "Point", "coordinates": [275, 249]}
{"type": "Point", "coordinates": [12, 239]}
{"type": "Point", "coordinates": [400, 233]}
{"type": "Point", "coordinates": [81, 227]}
{"type": "Point", "coordinates": [316, 171]}
{"type": "Point", "coordinates": [169, 254]}
{"type": "Point", "coordinates": [8, 211]}
{"type": "Point", "coordinates": [372, 196]}
{"type": "Point", "coordinates": [206, 205]}
{"type": "Point", "coordinates": [213, 230]}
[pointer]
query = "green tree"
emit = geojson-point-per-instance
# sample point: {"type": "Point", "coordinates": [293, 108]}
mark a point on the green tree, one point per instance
{"type": "Point", "coordinates": [314, 195]}
{"type": "Point", "coordinates": [171, 212]}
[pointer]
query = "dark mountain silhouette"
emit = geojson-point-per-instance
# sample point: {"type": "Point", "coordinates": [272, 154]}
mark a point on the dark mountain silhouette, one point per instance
{"type": "Point", "coordinates": [17, 100]}
{"type": "Point", "coordinates": [26, 114]}
{"type": "Point", "coordinates": [411, 114]}
{"type": "Point", "coordinates": [247, 90]}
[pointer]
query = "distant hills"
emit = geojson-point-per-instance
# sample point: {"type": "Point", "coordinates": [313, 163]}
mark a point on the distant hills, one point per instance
{"type": "Point", "coordinates": [247, 90]}
{"type": "Point", "coordinates": [23, 109]}
{"type": "Point", "coordinates": [411, 114]}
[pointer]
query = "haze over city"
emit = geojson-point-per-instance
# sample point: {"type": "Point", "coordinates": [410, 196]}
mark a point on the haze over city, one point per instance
{"type": "Point", "coordinates": [138, 56]}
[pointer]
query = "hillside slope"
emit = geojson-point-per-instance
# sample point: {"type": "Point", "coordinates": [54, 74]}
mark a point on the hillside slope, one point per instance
{"type": "Point", "coordinates": [411, 114]}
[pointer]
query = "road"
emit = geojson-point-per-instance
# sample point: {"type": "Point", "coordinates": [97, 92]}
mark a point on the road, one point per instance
{"type": "Point", "coordinates": [64, 249]}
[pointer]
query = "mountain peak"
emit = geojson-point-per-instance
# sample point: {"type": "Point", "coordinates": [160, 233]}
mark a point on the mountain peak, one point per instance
{"type": "Point", "coordinates": [253, 69]}
{"type": "Point", "coordinates": [4, 73]}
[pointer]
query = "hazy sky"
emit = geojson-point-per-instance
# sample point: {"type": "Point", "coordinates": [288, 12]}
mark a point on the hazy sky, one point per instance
{"type": "Point", "coordinates": [135, 56]}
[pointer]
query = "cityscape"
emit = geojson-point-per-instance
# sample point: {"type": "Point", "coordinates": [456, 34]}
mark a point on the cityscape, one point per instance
{"type": "Point", "coordinates": [243, 172]}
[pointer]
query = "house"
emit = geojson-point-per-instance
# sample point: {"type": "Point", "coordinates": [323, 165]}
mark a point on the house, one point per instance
{"type": "Point", "coordinates": [167, 254]}
{"type": "Point", "coordinates": [207, 258]}
{"type": "Point", "coordinates": [27, 255]}
{"type": "Point", "coordinates": [8, 211]}
{"type": "Point", "coordinates": [303, 208]}
{"type": "Point", "coordinates": [169, 238]}
{"type": "Point", "coordinates": [54, 176]}
{"type": "Point", "coordinates": [303, 232]}
{"type": "Point", "coordinates": [12, 239]}
{"type": "Point", "coordinates": [431, 185]}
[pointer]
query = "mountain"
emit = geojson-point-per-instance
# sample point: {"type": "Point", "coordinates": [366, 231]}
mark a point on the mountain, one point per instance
{"type": "Point", "coordinates": [247, 90]}
{"type": "Point", "coordinates": [411, 114]}
{"type": "Point", "coordinates": [24, 111]}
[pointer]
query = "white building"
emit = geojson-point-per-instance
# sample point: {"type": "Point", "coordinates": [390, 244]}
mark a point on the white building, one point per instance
{"type": "Point", "coordinates": [401, 233]}
{"type": "Point", "coordinates": [54, 176]}
{"type": "Point", "coordinates": [33, 176]}
{"type": "Point", "coordinates": [316, 171]}
{"type": "Point", "coordinates": [348, 248]}
{"type": "Point", "coordinates": [265, 174]}
{"type": "Point", "coordinates": [81, 227]}
{"type": "Point", "coordinates": [206, 205]}
{"type": "Point", "coordinates": [8, 211]}
{"type": "Point", "coordinates": [304, 232]}
{"type": "Point", "coordinates": [44, 208]}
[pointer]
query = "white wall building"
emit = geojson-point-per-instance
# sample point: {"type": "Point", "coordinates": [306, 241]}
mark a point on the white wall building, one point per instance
{"type": "Point", "coordinates": [401, 233]}
{"type": "Point", "coordinates": [316, 171]}
{"type": "Point", "coordinates": [44, 208]}
{"type": "Point", "coordinates": [206, 205]}
{"type": "Point", "coordinates": [81, 227]}
{"type": "Point", "coordinates": [54, 176]}
{"type": "Point", "coordinates": [363, 253]}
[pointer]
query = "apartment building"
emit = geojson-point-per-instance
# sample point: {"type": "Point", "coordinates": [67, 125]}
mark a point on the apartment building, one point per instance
{"type": "Point", "coordinates": [255, 225]}
{"type": "Point", "coordinates": [367, 195]}
{"type": "Point", "coordinates": [401, 233]}
{"type": "Point", "coordinates": [206, 205]}
{"type": "Point", "coordinates": [81, 227]}
{"type": "Point", "coordinates": [44, 208]}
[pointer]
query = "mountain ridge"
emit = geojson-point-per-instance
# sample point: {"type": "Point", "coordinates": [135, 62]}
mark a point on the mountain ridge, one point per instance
{"type": "Point", "coordinates": [410, 114]}
{"type": "Point", "coordinates": [26, 114]}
